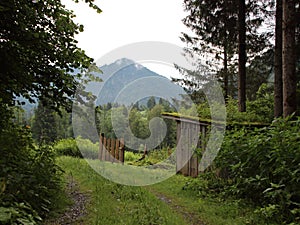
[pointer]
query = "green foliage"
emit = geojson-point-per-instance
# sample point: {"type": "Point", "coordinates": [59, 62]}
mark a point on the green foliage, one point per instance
{"type": "Point", "coordinates": [253, 114]}
{"type": "Point", "coordinates": [19, 117]}
{"type": "Point", "coordinates": [263, 105]}
{"type": "Point", "coordinates": [192, 196]}
{"type": "Point", "coordinates": [19, 213]}
{"type": "Point", "coordinates": [135, 122]}
{"type": "Point", "coordinates": [44, 129]}
{"type": "Point", "coordinates": [138, 124]}
{"type": "Point", "coordinates": [103, 121]}
{"type": "Point", "coordinates": [67, 147]}
{"type": "Point", "coordinates": [131, 156]}
{"type": "Point", "coordinates": [39, 53]}
{"type": "Point", "coordinates": [259, 110]}
{"type": "Point", "coordinates": [151, 102]}
{"type": "Point", "coordinates": [29, 178]}
{"type": "Point", "coordinates": [39, 58]}
{"type": "Point", "coordinates": [258, 72]}
{"type": "Point", "coordinates": [203, 110]}
{"type": "Point", "coordinates": [78, 147]}
{"type": "Point", "coordinates": [263, 165]}
{"type": "Point", "coordinates": [112, 203]}
{"type": "Point", "coordinates": [157, 156]}
{"type": "Point", "coordinates": [215, 34]}
{"type": "Point", "coordinates": [87, 148]}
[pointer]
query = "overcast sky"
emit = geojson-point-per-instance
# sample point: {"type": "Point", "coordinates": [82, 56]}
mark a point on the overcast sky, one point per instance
{"type": "Point", "coordinates": [125, 22]}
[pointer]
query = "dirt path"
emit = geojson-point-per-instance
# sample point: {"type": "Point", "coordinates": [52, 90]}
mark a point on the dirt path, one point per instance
{"type": "Point", "coordinates": [189, 217]}
{"type": "Point", "coordinates": [73, 215]}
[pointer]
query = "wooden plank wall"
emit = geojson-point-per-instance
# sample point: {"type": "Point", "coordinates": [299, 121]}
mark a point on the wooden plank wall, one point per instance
{"type": "Point", "coordinates": [111, 150]}
{"type": "Point", "coordinates": [188, 139]}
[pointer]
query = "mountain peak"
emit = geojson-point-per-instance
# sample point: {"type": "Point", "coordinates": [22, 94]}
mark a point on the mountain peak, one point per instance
{"type": "Point", "coordinates": [124, 62]}
{"type": "Point", "coordinates": [119, 74]}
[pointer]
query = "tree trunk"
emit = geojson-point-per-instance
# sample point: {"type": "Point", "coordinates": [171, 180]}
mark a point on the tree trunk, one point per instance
{"type": "Point", "coordinates": [242, 56]}
{"type": "Point", "coordinates": [278, 92]}
{"type": "Point", "coordinates": [288, 58]}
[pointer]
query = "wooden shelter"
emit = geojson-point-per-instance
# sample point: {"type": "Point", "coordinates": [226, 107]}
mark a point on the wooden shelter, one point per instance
{"type": "Point", "coordinates": [191, 135]}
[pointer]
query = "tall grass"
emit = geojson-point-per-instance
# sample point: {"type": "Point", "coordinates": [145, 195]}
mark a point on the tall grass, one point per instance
{"type": "Point", "coordinates": [113, 203]}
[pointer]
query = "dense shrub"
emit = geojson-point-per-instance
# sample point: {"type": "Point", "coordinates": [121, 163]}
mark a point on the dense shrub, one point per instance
{"type": "Point", "coordinates": [263, 166]}
{"type": "Point", "coordinates": [258, 110]}
{"type": "Point", "coordinates": [67, 147]}
{"type": "Point", "coordinates": [156, 156]}
{"type": "Point", "coordinates": [29, 178]}
{"type": "Point", "coordinates": [131, 156]}
{"type": "Point", "coordinates": [78, 147]}
{"type": "Point", "coordinates": [87, 148]}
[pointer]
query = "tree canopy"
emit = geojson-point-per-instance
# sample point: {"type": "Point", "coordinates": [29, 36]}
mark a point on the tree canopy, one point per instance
{"type": "Point", "coordinates": [215, 35]}
{"type": "Point", "coordinates": [230, 39]}
{"type": "Point", "coordinates": [39, 57]}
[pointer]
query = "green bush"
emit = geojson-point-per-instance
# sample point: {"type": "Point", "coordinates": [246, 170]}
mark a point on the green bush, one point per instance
{"type": "Point", "coordinates": [131, 156]}
{"type": "Point", "coordinates": [67, 147]}
{"type": "Point", "coordinates": [258, 110]}
{"type": "Point", "coordinates": [263, 166]}
{"type": "Point", "coordinates": [159, 154]}
{"type": "Point", "coordinates": [29, 178]}
{"type": "Point", "coordinates": [156, 156]}
{"type": "Point", "coordinates": [78, 147]}
{"type": "Point", "coordinates": [87, 148]}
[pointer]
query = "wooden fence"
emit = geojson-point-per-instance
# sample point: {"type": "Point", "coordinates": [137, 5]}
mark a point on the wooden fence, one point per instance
{"type": "Point", "coordinates": [111, 150]}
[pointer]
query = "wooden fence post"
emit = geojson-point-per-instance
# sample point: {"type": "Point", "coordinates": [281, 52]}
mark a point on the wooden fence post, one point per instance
{"type": "Point", "coordinates": [145, 150]}
{"type": "Point", "coordinates": [108, 158]}
{"type": "Point", "coordinates": [100, 153]}
{"type": "Point", "coordinates": [113, 152]}
{"type": "Point", "coordinates": [121, 151]}
{"type": "Point", "coordinates": [111, 149]}
{"type": "Point", "coordinates": [104, 149]}
{"type": "Point", "coordinates": [117, 150]}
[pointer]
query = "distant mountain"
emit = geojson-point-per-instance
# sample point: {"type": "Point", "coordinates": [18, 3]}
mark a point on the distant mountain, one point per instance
{"type": "Point", "coordinates": [125, 78]}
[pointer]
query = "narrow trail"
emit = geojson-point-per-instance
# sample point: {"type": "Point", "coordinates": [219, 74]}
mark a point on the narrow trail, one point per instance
{"type": "Point", "coordinates": [75, 213]}
{"type": "Point", "coordinates": [189, 217]}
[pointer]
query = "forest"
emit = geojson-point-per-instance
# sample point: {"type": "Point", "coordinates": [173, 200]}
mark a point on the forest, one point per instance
{"type": "Point", "coordinates": [253, 49]}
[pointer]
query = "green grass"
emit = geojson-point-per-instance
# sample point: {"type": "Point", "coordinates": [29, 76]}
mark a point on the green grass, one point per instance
{"type": "Point", "coordinates": [211, 209]}
{"type": "Point", "coordinates": [113, 203]}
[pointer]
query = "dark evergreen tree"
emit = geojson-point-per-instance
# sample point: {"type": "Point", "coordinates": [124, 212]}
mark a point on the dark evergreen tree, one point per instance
{"type": "Point", "coordinates": [44, 127]}
{"type": "Point", "coordinates": [260, 70]}
{"type": "Point", "coordinates": [214, 25]}
{"type": "Point", "coordinates": [151, 102]}
{"type": "Point", "coordinates": [216, 33]}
